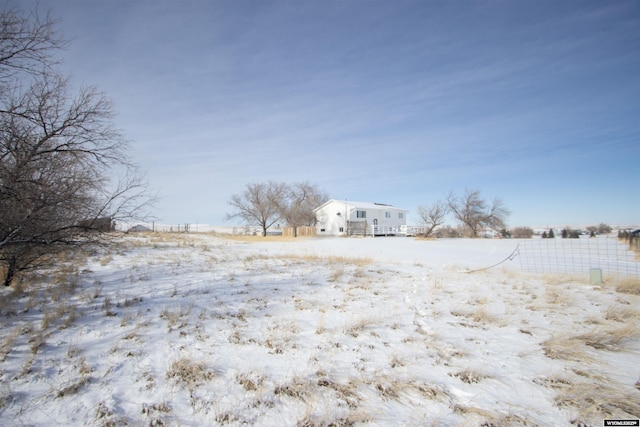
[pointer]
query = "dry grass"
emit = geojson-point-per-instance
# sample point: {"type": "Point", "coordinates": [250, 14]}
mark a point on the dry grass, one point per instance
{"type": "Point", "coordinates": [492, 419]}
{"type": "Point", "coordinates": [557, 296]}
{"type": "Point", "coordinates": [352, 419]}
{"type": "Point", "coordinates": [356, 327]}
{"type": "Point", "coordinates": [258, 238]}
{"type": "Point", "coordinates": [336, 272]}
{"type": "Point", "coordinates": [558, 279]}
{"type": "Point", "coordinates": [629, 285]}
{"type": "Point", "coordinates": [482, 315]}
{"type": "Point", "coordinates": [189, 373]}
{"type": "Point", "coordinates": [611, 339]}
{"type": "Point", "coordinates": [7, 344]}
{"type": "Point", "coordinates": [469, 376]}
{"type": "Point", "coordinates": [622, 314]}
{"type": "Point", "coordinates": [296, 388]}
{"type": "Point", "coordinates": [250, 381]}
{"type": "Point", "coordinates": [595, 399]}
{"type": "Point", "coordinates": [73, 388]}
{"type": "Point", "coordinates": [283, 334]}
{"type": "Point", "coordinates": [572, 347]}
{"type": "Point", "coordinates": [178, 318]}
{"type": "Point", "coordinates": [331, 259]}
{"type": "Point", "coordinates": [476, 311]}
{"type": "Point", "coordinates": [37, 340]}
{"type": "Point", "coordinates": [564, 347]}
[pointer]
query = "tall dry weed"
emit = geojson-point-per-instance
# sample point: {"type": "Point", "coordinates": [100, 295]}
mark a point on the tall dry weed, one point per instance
{"type": "Point", "coordinates": [628, 285]}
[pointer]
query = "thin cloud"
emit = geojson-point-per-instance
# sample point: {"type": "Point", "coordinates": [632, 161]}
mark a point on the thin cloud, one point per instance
{"type": "Point", "coordinates": [377, 100]}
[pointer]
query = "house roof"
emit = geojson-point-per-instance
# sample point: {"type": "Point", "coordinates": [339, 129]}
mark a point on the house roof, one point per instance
{"type": "Point", "coordinates": [362, 205]}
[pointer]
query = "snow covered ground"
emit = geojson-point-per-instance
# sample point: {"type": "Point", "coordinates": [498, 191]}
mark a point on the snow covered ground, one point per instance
{"type": "Point", "coordinates": [196, 329]}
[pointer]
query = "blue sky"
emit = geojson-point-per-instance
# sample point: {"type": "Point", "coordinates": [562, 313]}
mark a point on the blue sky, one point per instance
{"type": "Point", "coordinates": [400, 102]}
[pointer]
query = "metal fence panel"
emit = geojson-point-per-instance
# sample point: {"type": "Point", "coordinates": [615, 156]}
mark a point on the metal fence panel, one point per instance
{"type": "Point", "coordinates": [578, 256]}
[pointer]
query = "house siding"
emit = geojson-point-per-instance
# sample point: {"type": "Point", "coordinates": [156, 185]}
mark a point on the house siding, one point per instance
{"type": "Point", "coordinates": [337, 217]}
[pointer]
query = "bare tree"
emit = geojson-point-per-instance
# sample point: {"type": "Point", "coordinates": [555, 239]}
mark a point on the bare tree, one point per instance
{"type": "Point", "coordinates": [27, 44]}
{"type": "Point", "coordinates": [298, 205]}
{"type": "Point", "coordinates": [475, 214]}
{"type": "Point", "coordinates": [432, 216]}
{"type": "Point", "coordinates": [63, 166]}
{"type": "Point", "coordinates": [259, 204]}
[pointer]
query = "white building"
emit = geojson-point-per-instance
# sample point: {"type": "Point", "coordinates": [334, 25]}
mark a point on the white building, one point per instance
{"type": "Point", "coordinates": [342, 217]}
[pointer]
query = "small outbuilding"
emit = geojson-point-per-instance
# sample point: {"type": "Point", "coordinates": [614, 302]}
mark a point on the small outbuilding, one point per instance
{"type": "Point", "coordinates": [347, 218]}
{"type": "Point", "coordinates": [139, 229]}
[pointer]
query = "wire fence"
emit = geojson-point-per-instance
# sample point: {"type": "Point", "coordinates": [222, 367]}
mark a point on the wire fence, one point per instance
{"type": "Point", "coordinates": [579, 256]}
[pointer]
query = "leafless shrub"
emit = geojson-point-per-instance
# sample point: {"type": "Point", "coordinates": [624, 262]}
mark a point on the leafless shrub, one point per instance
{"type": "Point", "coordinates": [522, 233]}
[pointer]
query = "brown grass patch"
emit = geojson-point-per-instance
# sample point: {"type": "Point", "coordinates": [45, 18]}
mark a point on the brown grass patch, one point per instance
{"type": "Point", "coordinates": [469, 376]}
{"type": "Point", "coordinates": [611, 339]}
{"type": "Point", "coordinates": [621, 314]}
{"type": "Point", "coordinates": [566, 348]}
{"type": "Point", "coordinates": [189, 372]}
{"type": "Point", "coordinates": [331, 259]}
{"type": "Point", "coordinates": [296, 388]}
{"type": "Point", "coordinates": [628, 285]}
{"type": "Point", "coordinates": [258, 238]}
{"type": "Point", "coordinates": [491, 419]}
{"type": "Point", "coordinates": [595, 400]}
{"type": "Point", "coordinates": [601, 338]}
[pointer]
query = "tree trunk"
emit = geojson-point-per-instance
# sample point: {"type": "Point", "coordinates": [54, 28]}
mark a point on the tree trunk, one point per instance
{"type": "Point", "coordinates": [10, 272]}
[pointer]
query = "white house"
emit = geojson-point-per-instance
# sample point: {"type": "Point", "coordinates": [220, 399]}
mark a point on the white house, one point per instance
{"type": "Point", "coordinates": [342, 217]}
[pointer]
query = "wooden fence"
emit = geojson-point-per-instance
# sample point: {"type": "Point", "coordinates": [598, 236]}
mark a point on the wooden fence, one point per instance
{"type": "Point", "coordinates": [301, 231]}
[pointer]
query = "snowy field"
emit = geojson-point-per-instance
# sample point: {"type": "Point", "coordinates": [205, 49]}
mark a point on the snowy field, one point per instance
{"type": "Point", "coordinates": [200, 330]}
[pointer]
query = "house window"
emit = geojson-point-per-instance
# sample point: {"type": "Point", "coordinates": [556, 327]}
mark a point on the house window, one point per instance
{"type": "Point", "coordinates": [361, 214]}
{"type": "Point", "coordinates": [400, 215]}
{"type": "Point", "coordinates": [341, 229]}
{"type": "Point", "coordinates": [387, 214]}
